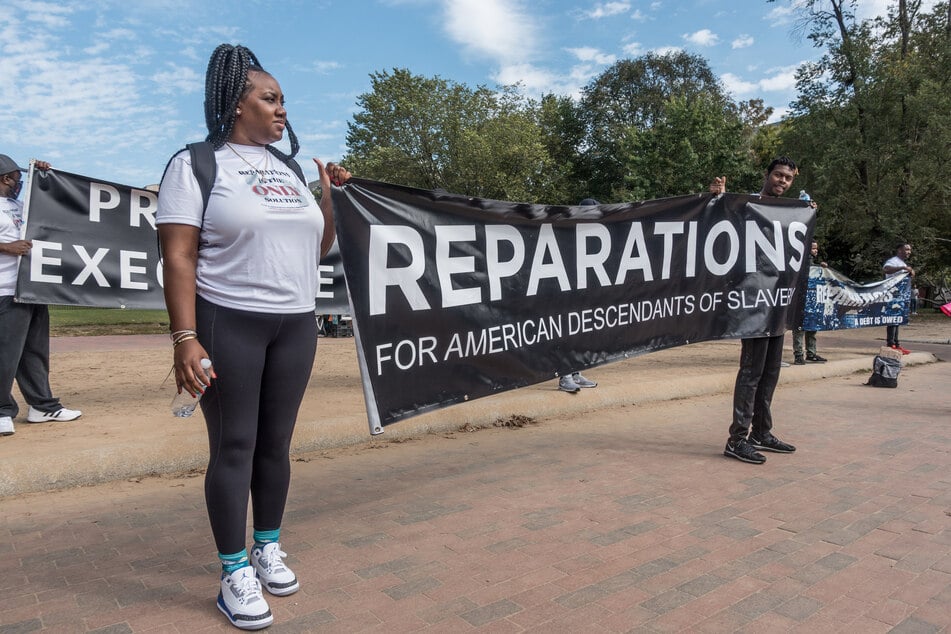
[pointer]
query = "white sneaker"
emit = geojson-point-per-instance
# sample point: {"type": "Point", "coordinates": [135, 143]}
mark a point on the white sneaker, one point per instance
{"type": "Point", "coordinates": [567, 384]}
{"type": "Point", "coordinates": [581, 381]}
{"type": "Point", "coordinates": [6, 426]}
{"type": "Point", "coordinates": [240, 600]}
{"type": "Point", "coordinates": [61, 415]}
{"type": "Point", "coordinates": [276, 578]}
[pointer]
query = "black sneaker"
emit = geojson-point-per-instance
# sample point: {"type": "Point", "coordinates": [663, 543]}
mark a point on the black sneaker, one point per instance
{"type": "Point", "coordinates": [799, 361]}
{"type": "Point", "coordinates": [771, 443]}
{"type": "Point", "coordinates": [744, 451]}
{"type": "Point", "coordinates": [814, 358]}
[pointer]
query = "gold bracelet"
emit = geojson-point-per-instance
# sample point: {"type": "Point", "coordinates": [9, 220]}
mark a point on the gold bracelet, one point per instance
{"type": "Point", "coordinates": [183, 339]}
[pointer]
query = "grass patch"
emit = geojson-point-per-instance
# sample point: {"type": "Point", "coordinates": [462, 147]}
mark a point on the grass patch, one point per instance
{"type": "Point", "coordinates": [80, 321]}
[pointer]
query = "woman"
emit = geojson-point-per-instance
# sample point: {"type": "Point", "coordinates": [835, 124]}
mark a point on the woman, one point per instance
{"type": "Point", "coordinates": [240, 281]}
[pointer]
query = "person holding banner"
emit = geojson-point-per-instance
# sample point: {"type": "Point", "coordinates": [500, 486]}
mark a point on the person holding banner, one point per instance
{"type": "Point", "coordinates": [896, 265]}
{"type": "Point", "coordinates": [24, 328]}
{"type": "Point", "coordinates": [806, 339]}
{"type": "Point", "coordinates": [760, 358]}
{"type": "Point", "coordinates": [240, 281]}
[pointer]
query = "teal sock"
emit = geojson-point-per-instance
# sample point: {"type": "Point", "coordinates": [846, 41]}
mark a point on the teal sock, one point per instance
{"type": "Point", "coordinates": [266, 537]}
{"type": "Point", "coordinates": [230, 563]}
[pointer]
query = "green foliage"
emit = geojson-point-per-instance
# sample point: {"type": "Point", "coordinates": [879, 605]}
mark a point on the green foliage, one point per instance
{"type": "Point", "coordinates": [660, 125]}
{"type": "Point", "coordinates": [871, 130]}
{"type": "Point", "coordinates": [434, 133]}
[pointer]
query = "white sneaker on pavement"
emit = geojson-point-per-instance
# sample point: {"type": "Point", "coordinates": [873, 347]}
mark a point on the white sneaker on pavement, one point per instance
{"type": "Point", "coordinates": [567, 384]}
{"type": "Point", "coordinates": [581, 381]}
{"type": "Point", "coordinates": [6, 426]}
{"type": "Point", "coordinates": [275, 576]}
{"type": "Point", "coordinates": [61, 415]}
{"type": "Point", "coordinates": [240, 600]}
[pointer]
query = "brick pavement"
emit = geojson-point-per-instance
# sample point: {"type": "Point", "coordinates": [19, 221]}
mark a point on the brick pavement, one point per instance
{"type": "Point", "coordinates": [617, 520]}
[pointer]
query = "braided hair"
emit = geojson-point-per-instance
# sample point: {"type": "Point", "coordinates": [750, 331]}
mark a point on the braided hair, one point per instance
{"type": "Point", "coordinates": [226, 83]}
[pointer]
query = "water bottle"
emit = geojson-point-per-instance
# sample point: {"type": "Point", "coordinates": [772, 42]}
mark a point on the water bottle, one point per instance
{"type": "Point", "coordinates": [804, 195]}
{"type": "Point", "coordinates": [184, 404]}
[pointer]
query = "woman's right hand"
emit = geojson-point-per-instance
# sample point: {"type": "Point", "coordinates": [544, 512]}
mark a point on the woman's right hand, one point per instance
{"type": "Point", "coordinates": [189, 375]}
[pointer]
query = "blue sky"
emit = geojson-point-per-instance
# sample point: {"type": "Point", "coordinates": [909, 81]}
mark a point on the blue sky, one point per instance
{"type": "Point", "coordinates": [110, 89]}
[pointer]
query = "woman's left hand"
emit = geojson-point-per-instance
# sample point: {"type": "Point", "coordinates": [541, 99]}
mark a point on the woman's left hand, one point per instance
{"type": "Point", "coordinates": [332, 174]}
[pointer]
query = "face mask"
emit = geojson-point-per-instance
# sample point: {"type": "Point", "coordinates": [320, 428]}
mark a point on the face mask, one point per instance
{"type": "Point", "coordinates": [14, 191]}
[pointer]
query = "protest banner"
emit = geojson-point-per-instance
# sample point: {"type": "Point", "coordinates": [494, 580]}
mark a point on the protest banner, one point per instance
{"type": "Point", "coordinates": [835, 302]}
{"type": "Point", "coordinates": [457, 298]}
{"type": "Point", "coordinates": [95, 244]}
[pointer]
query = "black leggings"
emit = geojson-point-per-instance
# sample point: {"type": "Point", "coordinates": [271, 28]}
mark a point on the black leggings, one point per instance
{"type": "Point", "coordinates": [263, 362]}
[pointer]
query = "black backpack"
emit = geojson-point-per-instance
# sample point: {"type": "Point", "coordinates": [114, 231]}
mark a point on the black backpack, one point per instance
{"type": "Point", "coordinates": [885, 371]}
{"type": "Point", "coordinates": [205, 169]}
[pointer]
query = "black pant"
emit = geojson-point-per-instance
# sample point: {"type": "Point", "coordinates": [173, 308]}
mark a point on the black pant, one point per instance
{"type": "Point", "coordinates": [25, 356]}
{"type": "Point", "coordinates": [760, 360]}
{"type": "Point", "coordinates": [263, 362]}
{"type": "Point", "coordinates": [891, 335]}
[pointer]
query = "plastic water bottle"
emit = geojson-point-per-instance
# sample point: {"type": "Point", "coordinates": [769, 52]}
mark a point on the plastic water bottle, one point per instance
{"type": "Point", "coordinates": [804, 195]}
{"type": "Point", "coordinates": [184, 404]}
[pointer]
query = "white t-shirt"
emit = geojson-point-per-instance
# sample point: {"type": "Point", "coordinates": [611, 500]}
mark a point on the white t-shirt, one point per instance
{"type": "Point", "coordinates": [11, 219]}
{"type": "Point", "coordinates": [260, 242]}
{"type": "Point", "coordinates": [892, 262]}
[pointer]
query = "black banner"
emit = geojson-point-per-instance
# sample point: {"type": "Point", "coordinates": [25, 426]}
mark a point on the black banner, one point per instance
{"type": "Point", "coordinates": [457, 298]}
{"type": "Point", "coordinates": [94, 244]}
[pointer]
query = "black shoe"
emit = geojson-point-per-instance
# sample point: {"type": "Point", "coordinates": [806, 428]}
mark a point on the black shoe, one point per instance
{"type": "Point", "coordinates": [742, 450]}
{"type": "Point", "coordinates": [814, 358]}
{"type": "Point", "coordinates": [799, 361]}
{"type": "Point", "coordinates": [771, 443]}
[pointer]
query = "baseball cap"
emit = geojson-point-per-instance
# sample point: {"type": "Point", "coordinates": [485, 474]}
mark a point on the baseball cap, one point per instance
{"type": "Point", "coordinates": [8, 165]}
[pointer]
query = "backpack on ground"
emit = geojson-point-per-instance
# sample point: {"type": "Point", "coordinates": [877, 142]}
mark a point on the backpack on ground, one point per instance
{"type": "Point", "coordinates": [885, 368]}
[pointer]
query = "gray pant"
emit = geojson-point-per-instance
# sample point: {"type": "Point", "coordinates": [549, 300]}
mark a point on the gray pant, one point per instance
{"type": "Point", "coordinates": [25, 356]}
{"type": "Point", "coordinates": [810, 340]}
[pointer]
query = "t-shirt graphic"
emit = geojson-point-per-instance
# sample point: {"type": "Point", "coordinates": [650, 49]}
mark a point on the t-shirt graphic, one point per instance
{"type": "Point", "coordinates": [276, 188]}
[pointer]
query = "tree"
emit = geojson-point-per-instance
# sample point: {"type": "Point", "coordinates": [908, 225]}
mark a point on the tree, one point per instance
{"type": "Point", "coordinates": [434, 133]}
{"type": "Point", "coordinates": [651, 124]}
{"type": "Point", "coordinates": [870, 126]}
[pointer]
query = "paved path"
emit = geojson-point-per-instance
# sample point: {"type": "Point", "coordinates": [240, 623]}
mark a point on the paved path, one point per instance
{"type": "Point", "coordinates": [619, 520]}
{"type": "Point", "coordinates": [614, 515]}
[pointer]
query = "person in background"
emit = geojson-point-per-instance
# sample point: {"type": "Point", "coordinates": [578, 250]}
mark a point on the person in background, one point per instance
{"type": "Point", "coordinates": [807, 337]}
{"type": "Point", "coordinates": [760, 357]}
{"type": "Point", "coordinates": [24, 328]}
{"type": "Point", "coordinates": [240, 280]}
{"type": "Point", "coordinates": [896, 265]}
{"type": "Point", "coordinates": [573, 382]}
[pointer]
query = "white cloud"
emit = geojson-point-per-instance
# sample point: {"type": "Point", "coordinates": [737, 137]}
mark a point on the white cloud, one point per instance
{"type": "Point", "coordinates": [178, 80]}
{"type": "Point", "coordinates": [96, 49]}
{"type": "Point", "coordinates": [607, 9]}
{"type": "Point", "coordinates": [703, 37]}
{"type": "Point", "coordinates": [785, 80]}
{"type": "Point", "coordinates": [589, 54]}
{"type": "Point", "coordinates": [638, 15]}
{"type": "Point", "coordinates": [779, 113]}
{"type": "Point", "coordinates": [494, 28]}
{"type": "Point", "coordinates": [782, 81]}
{"type": "Point", "coordinates": [742, 41]}
{"type": "Point", "coordinates": [666, 50]}
{"type": "Point", "coordinates": [782, 14]}
{"type": "Point", "coordinates": [323, 67]}
{"type": "Point", "coordinates": [633, 49]}
{"type": "Point", "coordinates": [736, 85]}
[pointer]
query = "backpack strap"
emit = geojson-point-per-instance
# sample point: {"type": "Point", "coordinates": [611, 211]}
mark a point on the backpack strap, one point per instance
{"type": "Point", "coordinates": [205, 168]}
{"type": "Point", "coordinates": [295, 166]}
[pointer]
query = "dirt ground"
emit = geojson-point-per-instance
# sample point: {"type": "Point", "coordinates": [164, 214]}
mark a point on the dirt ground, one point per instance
{"type": "Point", "coordinates": [122, 385]}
